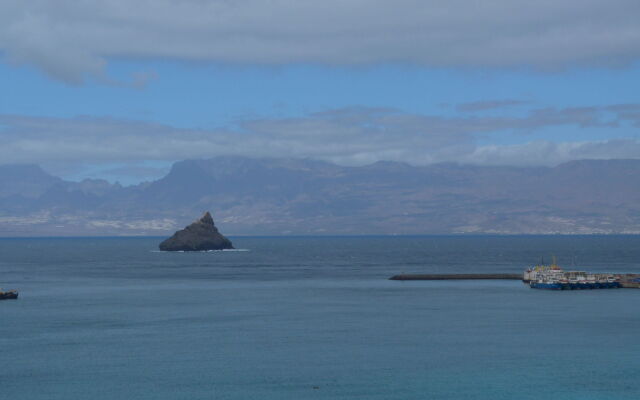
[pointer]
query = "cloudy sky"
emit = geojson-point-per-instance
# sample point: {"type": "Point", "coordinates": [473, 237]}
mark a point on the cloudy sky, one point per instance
{"type": "Point", "coordinates": [120, 89]}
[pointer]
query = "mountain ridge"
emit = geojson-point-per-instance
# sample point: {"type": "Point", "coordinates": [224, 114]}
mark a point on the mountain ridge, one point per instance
{"type": "Point", "coordinates": [296, 196]}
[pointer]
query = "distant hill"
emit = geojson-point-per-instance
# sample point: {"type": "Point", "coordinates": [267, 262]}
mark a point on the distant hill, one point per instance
{"type": "Point", "coordinates": [285, 196]}
{"type": "Point", "coordinates": [25, 180]}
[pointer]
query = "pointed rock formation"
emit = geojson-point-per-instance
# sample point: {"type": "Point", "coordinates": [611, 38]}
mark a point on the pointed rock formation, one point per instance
{"type": "Point", "coordinates": [199, 236]}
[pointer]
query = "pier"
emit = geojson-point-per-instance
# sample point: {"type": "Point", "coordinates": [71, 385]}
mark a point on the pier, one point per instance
{"type": "Point", "coordinates": [630, 281]}
{"type": "Point", "coordinates": [444, 277]}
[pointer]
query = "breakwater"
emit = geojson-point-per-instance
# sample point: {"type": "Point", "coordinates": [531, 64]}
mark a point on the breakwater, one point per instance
{"type": "Point", "coordinates": [442, 277]}
{"type": "Point", "coordinates": [630, 281]}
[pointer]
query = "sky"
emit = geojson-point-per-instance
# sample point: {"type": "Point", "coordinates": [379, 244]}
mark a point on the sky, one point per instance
{"type": "Point", "coordinates": [120, 90]}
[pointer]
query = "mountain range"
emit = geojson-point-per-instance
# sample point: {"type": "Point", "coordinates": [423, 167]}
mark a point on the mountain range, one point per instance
{"type": "Point", "coordinates": [305, 197]}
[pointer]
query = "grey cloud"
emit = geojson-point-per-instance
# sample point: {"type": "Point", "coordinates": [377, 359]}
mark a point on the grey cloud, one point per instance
{"type": "Point", "coordinates": [627, 112]}
{"type": "Point", "coordinates": [581, 116]}
{"type": "Point", "coordinates": [137, 171]}
{"type": "Point", "coordinates": [488, 105]}
{"type": "Point", "coordinates": [70, 40]}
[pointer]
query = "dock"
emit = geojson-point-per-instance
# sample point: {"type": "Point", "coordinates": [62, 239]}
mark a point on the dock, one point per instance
{"type": "Point", "coordinates": [630, 281]}
{"type": "Point", "coordinates": [444, 277]}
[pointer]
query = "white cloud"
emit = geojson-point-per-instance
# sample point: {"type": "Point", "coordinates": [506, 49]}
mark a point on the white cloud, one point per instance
{"type": "Point", "coordinates": [350, 136]}
{"type": "Point", "coordinates": [550, 154]}
{"type": "Point", "coordinates": [69, 39]}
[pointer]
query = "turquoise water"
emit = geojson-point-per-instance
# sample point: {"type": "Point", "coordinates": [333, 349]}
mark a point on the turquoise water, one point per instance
{"type": "Point", "coordinates": [314, 318]}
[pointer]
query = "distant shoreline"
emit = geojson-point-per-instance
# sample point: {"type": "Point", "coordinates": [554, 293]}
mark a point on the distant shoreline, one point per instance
{"type": "Point", "coordinates": [459, 235]}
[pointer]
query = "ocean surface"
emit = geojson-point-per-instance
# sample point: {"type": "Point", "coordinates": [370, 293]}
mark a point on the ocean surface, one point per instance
{"type": "Point", "coordinates": [314, 318]}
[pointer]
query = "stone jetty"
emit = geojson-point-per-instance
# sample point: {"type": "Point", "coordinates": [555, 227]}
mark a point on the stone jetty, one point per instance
{"type": "Point", "coordinates": [441, 277]}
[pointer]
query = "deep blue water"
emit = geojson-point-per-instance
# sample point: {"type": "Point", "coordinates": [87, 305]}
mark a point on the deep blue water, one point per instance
{"type": "Point", "coordinates": [314, 318]}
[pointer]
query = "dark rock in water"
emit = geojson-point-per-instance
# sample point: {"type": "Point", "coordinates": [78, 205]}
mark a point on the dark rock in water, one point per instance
{"type": "Point", "coordinates": [199, 236]}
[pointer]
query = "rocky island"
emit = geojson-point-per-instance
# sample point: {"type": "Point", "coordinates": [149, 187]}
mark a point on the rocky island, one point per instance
{"type": "Point", "coordinates": [201, 235]}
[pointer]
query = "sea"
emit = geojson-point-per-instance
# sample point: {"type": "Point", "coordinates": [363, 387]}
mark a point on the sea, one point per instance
{"type": "Point", "coordinates": [314, 318]}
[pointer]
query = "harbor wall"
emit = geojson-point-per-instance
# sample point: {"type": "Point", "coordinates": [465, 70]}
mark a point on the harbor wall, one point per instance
{"type": "Point", "coordinates": [440, 277]}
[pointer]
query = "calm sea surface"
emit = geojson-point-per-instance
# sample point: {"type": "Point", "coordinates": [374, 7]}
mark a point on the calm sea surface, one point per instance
{"type": "Point", "coordinates": [314, 318]}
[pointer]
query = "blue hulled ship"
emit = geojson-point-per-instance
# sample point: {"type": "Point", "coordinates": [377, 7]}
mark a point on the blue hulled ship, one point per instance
{"type": "Point", "coordinates": [546, 285]}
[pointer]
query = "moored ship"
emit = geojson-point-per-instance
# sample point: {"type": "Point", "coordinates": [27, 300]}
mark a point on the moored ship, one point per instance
{"type": "Point", "coordinates": [555, 278]}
